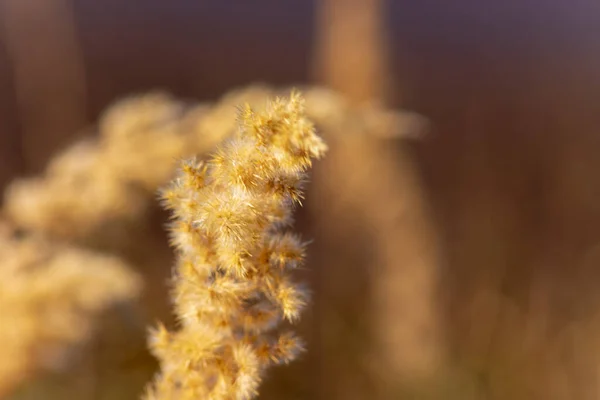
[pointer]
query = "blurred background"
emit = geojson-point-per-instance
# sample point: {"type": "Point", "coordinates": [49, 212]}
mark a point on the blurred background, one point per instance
{"type": "Point", "coordinates": [463, 263]}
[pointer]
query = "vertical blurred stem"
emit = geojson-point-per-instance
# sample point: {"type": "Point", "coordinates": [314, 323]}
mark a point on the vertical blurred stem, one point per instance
{"type": "Point", "coordinates": [47, 67]}
{"type": "Point", "coordinates": [402, 345]}
{"type": "Point", "coordinates": [10, 142]}
{"type": "Point", "coordinates": [49, 85]}
{"type": "Point", "coordinates": [351, 52]}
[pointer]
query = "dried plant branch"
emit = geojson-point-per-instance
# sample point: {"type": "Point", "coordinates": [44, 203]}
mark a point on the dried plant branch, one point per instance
{"type": "Point", "coordinates": [50, 295]}
{"type": "Point", "coordinates": [232, 281]}
{"type": "Point", "coordinates": [98, 192]}
{"type": "Point", "coordinates": [97, 186]}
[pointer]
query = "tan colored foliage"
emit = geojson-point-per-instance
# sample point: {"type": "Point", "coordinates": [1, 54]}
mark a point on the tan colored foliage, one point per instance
{"type": "Point", "coordinates": [232, 282]}
{"type": "Point", "coordinates": [50, 295]}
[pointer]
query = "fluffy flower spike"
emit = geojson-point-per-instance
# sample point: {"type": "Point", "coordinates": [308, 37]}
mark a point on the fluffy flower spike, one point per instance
{"type": "Point", "coordinates": [232, 283]}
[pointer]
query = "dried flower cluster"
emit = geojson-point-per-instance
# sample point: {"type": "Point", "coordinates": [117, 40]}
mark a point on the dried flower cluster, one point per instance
{"type": "Point", "coordinates": [100, 184]}
{"type": "Point", "coordinates": [232, 283]}
{"type": "Point", "coordinates": [49, 297]}
{"type": "Point", "coordinates": [97, 193]}
{"type": "Point", "coordinates": [112, 178]}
